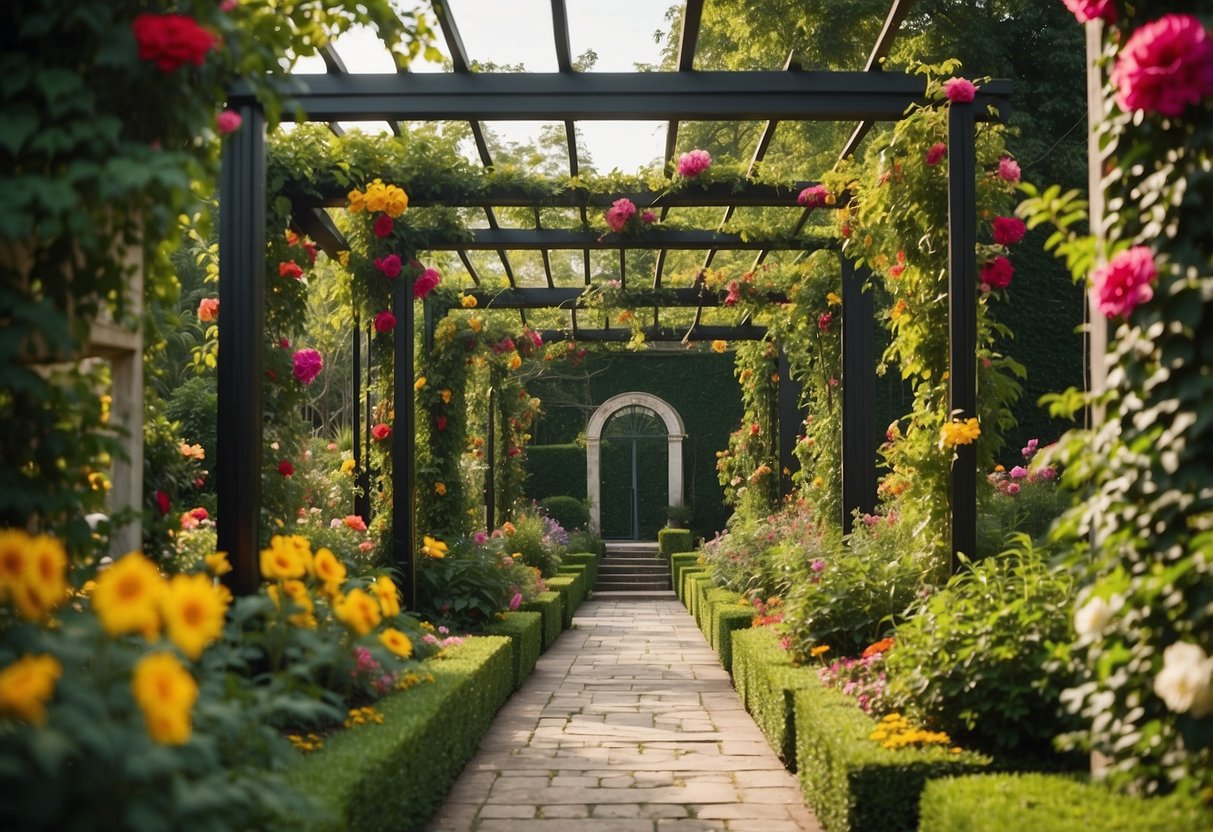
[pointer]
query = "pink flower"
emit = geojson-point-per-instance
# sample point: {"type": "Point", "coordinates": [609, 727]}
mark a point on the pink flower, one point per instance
{"type": "Point", "coordinates": [1008, 230]}
{"type": "Point", "coordinates": [823, 322]}
{"type": "Point", "coordinates": [1124, 282]}
{"type": "Point", "coordinates": [385, 321]}
{"type": "Point", "coordinates": [208, 310]}
{"type": "Point", "coordinates": [1018, 472]}
{"type": "Point", "coordinates": [813, 196]}
{"type": "Point", "coordinates": [390, 266]}
{"type": "Point", "coordinates": [1047, 473]}
{"type": "Point", "coordinates": [619, 213]}
{"type": "Point", "coordinates": [960, 90]}
{"type": "Point", "coordinates": [1013, 488]}
{"type": "Point", "coordinates": [480, 538]}
{"type": "Point", "coordinates": [1166, 66]}
{"type": "Point", "coordinates": [228, 121]}
{"type": "Point", "coordinates": [1086, 10]}
{"type": "Point", "coordinates": [515, 601]}
{"type": "Point", "coordinates": [355, 522]}
{"type": "Point", "coordinates": [290, 268]}
{"type": "Point", "coordinates": [171, 40]}
{"type": "Point", "coordinates": [365, 546]}
{"type": "Point", "coordinates": [308, 364]}
{"type": "Point", "coordinates": [818, 565]}
{"type": "Point", "coordinates": [285, 468]}
{"type": "Point", "coordinates": [936, 153]}
{"type": "Point", "coordinates": [694, 163]}
{"type": "Point", "coordinates": [1008, 169]}
{"type": "Point", "coordinates": [997, 272]}
{"type": "Point", "coordinates": [426, 283]}
{"type": "Point", "coordinates": [381, 432]}
{"type": "Point", "coordinates": [383, 226]}
{"type": "Point", "coordinates": [734, 293]}
{"type": "Point", "coordinates": [648, 217]}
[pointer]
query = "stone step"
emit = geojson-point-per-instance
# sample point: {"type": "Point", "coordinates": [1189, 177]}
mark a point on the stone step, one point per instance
{"type": "Point", "coordinates": [609, 568]}
{"type": "Point", "coordinates": [636, 595]}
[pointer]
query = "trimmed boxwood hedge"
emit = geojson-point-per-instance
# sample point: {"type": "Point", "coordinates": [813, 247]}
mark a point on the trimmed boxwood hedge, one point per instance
{"type": "Point", "coordinates": [590, 561]}
{"type": "Point", "coordinates": [680, 562]}
{"type": "Point", "coordinates": [850, 781]}
{"type": "Point", "coordinates": [551, 606]}
{"type": "Point", "coordinates": [1050, 803]}
{"type": "Point", "coordinates": [694, 583]}
{"type": "Point", "coordinates": [410, 761]}
{"type": "Point", "coordinates": [672, 541]}
{"type": "Point", "coordinates": [767, 682]}
{"type": "Point", "coordinates": [525, 632]}
{"type": "Point", "coordinates": [727, 618]}
{"type": "Point", "coordinates": [572, 592]}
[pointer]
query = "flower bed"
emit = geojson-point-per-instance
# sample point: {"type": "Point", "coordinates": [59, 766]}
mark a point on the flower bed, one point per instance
{"type": "Point", "coordinates": [1049, 803]}
{"type": "Point", "coordinates": [525, 632]}
{"type": "Point", "coordinates": [550, 606]}
{"type": "Point", "coordinates": [410, 760]}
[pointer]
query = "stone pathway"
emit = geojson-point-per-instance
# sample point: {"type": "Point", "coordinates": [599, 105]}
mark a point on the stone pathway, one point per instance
{"type": "Point", "coordinates": [629, 724]}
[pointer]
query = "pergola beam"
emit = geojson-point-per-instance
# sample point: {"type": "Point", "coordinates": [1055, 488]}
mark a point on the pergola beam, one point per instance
{"type": "Point", "coordinates": [612, 96]}
{"type": "Point", "coordinates": [574, 297]}
{"type": "Point", "coordinates": [880, 50]}
{"type": "Point", "coordinates": [531, 239]}
{"type": "Point", "coordinates": [665, 334]}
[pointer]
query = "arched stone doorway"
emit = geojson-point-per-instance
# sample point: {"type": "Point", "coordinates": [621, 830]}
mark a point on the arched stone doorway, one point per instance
{"type": "Point", "coordinates": [675, 433]}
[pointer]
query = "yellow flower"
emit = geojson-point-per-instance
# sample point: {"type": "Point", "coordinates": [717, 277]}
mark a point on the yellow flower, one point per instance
{"type": "Point", "coordinates": [468, 302]}
{"type": "Point", "coordinates": [192, 451]}
{"type": "Point", "coordinates": [432, 548]}
{"type": "Point", "coordinates": [347, 466]}
{"type": "Point", "coordinates": [819, 650]}
{"type": "Point", "coordinates": [14, 560]}
{"type": "Point", "coordinates": [958, 432]}
{"type": "Point", "coordinates": [515, 361]}
{"type": "Point", "coordinates": [297, 592]}
{"type": "Point", "coordinates": [899, 310]}
{"type": "Point", "coordinates": [165, 692]}
{"type": "Point", "coordinates": [419, 384]}
{"type": "Point", "coordinates": [474, 324]}
{"type": "Point", "coordinates": [44, 584]}
{"type": "Point", "coordinates": [217, 564]}
{"type": "Point", "coordinates": [446, 396]}
{"type": "Point", "coordinates": [440, 489]}
{"type": "Point", "coordinates": [99, 482]}
{"type": "Point", "coordinates": [282, 560]}
{"type": "Point", "coordinates": [127, 596]}
{"type": "Point", "coordinates": [26, 685]}
{"type": "Point", "coordinates": [389, 597]}
{"type": "Point", "coordinates": [832, 299]}
{"type": "Point", "coordinates": [357, 200]}
{"type": "Point", "coordinates": [358, 611]}
{"type": "Point", "coordinates": [343, 257]}
{"type": "Point", "coordinates": [397, 642]}
{"type": "Point", "coordinates": [193, 613]}
{"type": "Point", "coordinates": [719, 346]}
{"type": "Point", "coordinates": [329, 570]}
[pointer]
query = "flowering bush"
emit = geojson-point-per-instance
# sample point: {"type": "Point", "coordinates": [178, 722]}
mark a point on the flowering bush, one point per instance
{"type": "Point", "coordinates": [1024, 499]}
{"type": "Point", "coordinates": [863, 678]}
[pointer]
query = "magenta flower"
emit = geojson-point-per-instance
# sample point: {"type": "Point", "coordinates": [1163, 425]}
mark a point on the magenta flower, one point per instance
{"type": "Point", "coordinates": [480, 538]}
{"type": "Point", "coordinates": [390, 266]}
{"type": "Point", "coordinates": [228, 121]}
{"type": "Point", "coordinates": [1018, 472]}
{"type": "Point", "coordinates": [734, 293]}
{"type": "Point", "coordinates": [997, 272]}
{"type": "Point", "coordinates": [813, 196]}
{"type": "Point", "coordinates": [515, 601]}
{"type": "Point", "coordinates": [824, 321]}
{"type": "Point", "coordinates": [308, 364]}
{"type": "Point", "coordinates": [936, 154]}
{"type": "Point", "coordinates": [1166, 66]}
{"type": "Point", "coordinates": [1124, 282]}
{"type": "Point", "coordinates": [383, 226]}
{"type": "Point", "coordinates": [619, 213]}
{"type": "Point", "coordinates": [385, 321]}
{"type": "Point", "coordinates": [960, 90]}
{"type": "Point", "coordinates": [1008, 230]}
{"type": "Point", "coordinates": [429, 280]}
{"type": "Point", "coordinates": [648, 217]}
{"type": "Point", "coordinates": [818, 565]}
{"type": "Point", "coordinates": [1008, 169]}
{"type": "Point", "coordinates": [694, 163]}
{"type": "Point", "coordinates": [1086, 10]}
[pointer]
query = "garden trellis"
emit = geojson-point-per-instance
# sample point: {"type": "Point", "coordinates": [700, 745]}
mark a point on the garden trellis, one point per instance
{"type": "Point", "coordinates": [569, 96]}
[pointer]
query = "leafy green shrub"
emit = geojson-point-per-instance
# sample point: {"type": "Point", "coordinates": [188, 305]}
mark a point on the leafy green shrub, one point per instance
{"type": "Point", "coordinates": [582, 540]}
{"type": "Point", "coordinates": [671, 541]}
{"type": "Point", "coordinates": [537, 540]}
{"type": "Point", "coordinates": [848, 597]}
{"type": "Point", "coordinates": [569, 512]}
{"type": "Point", "coordinates": [465, 587]}
{"type": "Point", "coordinates": [765, 557]}
{"type": "Point", "coordinates": [1050, 803]}
{"type": "Point", "coordinates": [193, 406]}
{"type": "Point", "coordinates": [975, 658]}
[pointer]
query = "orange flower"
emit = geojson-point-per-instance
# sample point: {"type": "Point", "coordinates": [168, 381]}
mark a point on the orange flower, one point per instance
{"type": "Point", "coordinates": [878, 647]}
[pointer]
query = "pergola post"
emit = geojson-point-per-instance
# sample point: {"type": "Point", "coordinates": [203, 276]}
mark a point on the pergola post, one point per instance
{"type": "Point", "coordinates": [962, 320]}
{"type": "Point", "coordinates": [791, 419]}
{"type": "Point", "coordinates": [362, 478]}
{"type": "Point", "coordinates": [404, 432]}
{"type": "Point", "coordinates": [242, 193]}
{"type": "Point", "coordinates": [859, 443]}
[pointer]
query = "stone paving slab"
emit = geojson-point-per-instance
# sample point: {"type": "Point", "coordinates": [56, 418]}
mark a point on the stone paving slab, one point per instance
{"type": "Point", "coordinates": [628, 724]}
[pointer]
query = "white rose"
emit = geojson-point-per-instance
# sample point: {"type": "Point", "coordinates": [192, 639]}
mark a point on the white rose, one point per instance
{"type": "Point", "coordinates": [1185, 682]}
{"type": "Point", "coordinates": [1092, 617]}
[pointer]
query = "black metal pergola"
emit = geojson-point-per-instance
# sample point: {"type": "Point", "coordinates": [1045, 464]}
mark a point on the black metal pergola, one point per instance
{"type": "Point", "coordinates": [864, 97]}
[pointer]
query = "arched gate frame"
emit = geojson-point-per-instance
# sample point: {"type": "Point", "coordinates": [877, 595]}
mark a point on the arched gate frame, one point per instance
{"type": "Point", "coordinates": [686, 95]}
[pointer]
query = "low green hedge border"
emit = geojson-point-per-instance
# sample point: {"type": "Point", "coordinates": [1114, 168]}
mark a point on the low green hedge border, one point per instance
{"type": "Point", "coordinates": [849, 780]}
{"type": "Point", "coordinates": [572, 592]}
{"type": "Point", "coordinates": [711, 595]}
{"type": "Point", "coordinates": [1050, 803]}
{"type": "Point", "coordinates": [549, 605]}
{"type": "Point", "coordinates": [767, 682]}
{"type": "Point", "coordinates": [672, 541]}
{"type": "Point", "coordinates": [726, 620]}
{"type": "Point", "coordinates": [678, 564]}
{"type": "Point", "coordinates": [410, 761]}
{"type": "Point", "coordinates": [691, 581]}
{"type": "Point", "coordinates": [590, 561]}
{"type": "Point", "coordinates": [525, 632]}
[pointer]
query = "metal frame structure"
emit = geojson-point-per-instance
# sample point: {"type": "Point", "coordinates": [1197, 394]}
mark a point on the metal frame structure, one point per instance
{"type": "Point", "coordinates": [568, 96]}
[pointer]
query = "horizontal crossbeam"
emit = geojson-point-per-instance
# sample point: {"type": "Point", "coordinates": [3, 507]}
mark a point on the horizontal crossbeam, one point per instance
{"type": "Point", "coordinates": [697, 333]}
{"type": "Point", "coordinates": [486, 239]}
{"type": "Point", "coordinates": [613, 96]}
{"type": "Point", "coordinates": [567, 298]}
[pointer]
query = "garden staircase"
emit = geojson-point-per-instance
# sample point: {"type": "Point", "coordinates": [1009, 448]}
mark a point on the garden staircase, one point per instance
{"type": "Point", "coordinates": [631, 570]}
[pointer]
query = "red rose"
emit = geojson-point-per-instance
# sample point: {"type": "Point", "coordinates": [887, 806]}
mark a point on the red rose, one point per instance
{"type": "Point", "coordinates": [425, 284]}
{"type": "Point", "coordinates": [171, 40]}
{"type": "Point", "coordinates": [290, 269]}
{"type": "Point", "coordinates": [199, 513]}
{"type": "Point", "coordinates": [390, 266]}
{"type": "Point", "coordinates": [440, 422]}
{"type": "Point", "coordinates": [163, 503]}
{"type": "Point", "coordinates": [381, 432]}
{"type": "Point", "coordinates": [823, 322]}
{"type": "Point", "coordinates": [936, 154]}
{"type": "Point", "coordinates": [285, 468]}
{"type": "Point", "coordinates": [1008, 230]}
{"type": "Point", "coordinates": [997, 272]}
{"type": "Point", "coordinates": [385, 321]}
{"type": "Point", "coordinates": [383, 226]}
